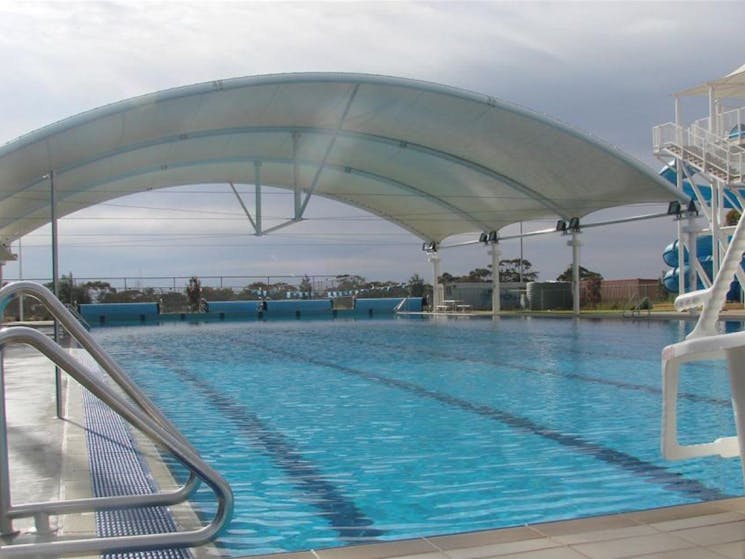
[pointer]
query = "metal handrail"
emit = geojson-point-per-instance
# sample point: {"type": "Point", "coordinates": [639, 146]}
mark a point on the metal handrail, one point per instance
{"type": "Point", "coordinates": [715, 151]}
{"type": "Point", "coordinates": [140, 413]}
{"type": "Point", "coordinates": [77, 315]}
{"type": "Point", "coordinates": [400, 306]}
{"type": "Point", "coordinates": [78, 332]}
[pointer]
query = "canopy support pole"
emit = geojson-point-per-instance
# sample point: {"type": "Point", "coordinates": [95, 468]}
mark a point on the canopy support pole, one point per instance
{"type": "Point", "coordinates": [575, 244]}
{"type": "Point", "coordinates": [329, 147]}
{"type": "Point", "coordinates": [257, 190]}
{"type": "Point", "coordinates": [55, 288]}
{"type": "Point", "coordinates": [496, 304]}
{"type": "Point", "coordinates": [434, 259]}
{"type": "Point", "coordinates": [295, 177]}
{"type": "Point", "coordinates": [20, 277]}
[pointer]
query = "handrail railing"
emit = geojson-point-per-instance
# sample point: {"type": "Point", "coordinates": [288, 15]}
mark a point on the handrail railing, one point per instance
{"type": "Point", "coordinates": [74, 312]}
{"type": "Point", "coordinates": [697, 144]}
{"type": "Point", "coordinates": [401, 305]}
{"type": "Point", "coordinates": [139, 412]}
{"type": "Point", "coordinates": [635, 306]}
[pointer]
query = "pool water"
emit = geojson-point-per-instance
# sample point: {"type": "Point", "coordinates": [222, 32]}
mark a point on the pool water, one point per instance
{"type": "Point", "coordinates": [335, 432]}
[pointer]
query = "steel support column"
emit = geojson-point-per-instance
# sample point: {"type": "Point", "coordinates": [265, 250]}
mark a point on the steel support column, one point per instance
{"type": "Point", "coordinates": [575, 244]}
{"type": "Point", "coordinates": [296, 177]}
{"type": "Point", "coordinates": [55, 287]}
{"type": "Point", "coordinates": [496, 305]}
{"type": "Point", "coordinates": [6, 523]}
{"type": "Point", "coordinates": [257, 187]}
{"type": "Point", "coordinates": [434, 259]}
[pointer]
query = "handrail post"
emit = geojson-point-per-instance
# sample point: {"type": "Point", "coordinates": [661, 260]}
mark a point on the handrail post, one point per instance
{"type": "Point", "coordinates": [6, 523]}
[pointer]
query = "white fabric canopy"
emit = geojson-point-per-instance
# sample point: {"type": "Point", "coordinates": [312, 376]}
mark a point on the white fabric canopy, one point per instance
{"type": "Point", "coordinates": [436, 160]}
{"type": "Point", "coordinates": [731, 85]}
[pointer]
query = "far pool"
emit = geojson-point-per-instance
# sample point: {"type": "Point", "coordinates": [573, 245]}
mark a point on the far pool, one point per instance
{"type": "Point", "coordinates": [339, 432]}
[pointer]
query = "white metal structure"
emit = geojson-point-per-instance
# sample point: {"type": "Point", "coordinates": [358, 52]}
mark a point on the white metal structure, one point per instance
{"type": "Point", "coordinates": [709, 155]}
{"type": "Point", "coordinates": [436, 160]}
{"type": "Point", "coordinates": [710, 149]}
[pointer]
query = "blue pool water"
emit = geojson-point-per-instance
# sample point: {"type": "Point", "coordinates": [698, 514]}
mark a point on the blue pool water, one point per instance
{"type": "Point", "coordinates": [339, 432]}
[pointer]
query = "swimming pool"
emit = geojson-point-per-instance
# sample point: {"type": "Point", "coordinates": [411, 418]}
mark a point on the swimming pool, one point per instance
{"type": "Point", "coordinates": [339, 432]}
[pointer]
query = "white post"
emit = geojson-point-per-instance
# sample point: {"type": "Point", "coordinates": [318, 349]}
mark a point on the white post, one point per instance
{"type": "Point", "coordinates": [575, 244]}
{"type": "Point", "coordinates": [55, 287]}
{"type": "Point", "coordinates": [434, 258]}
{"type": "Point", "coordinates": [20, 277]}
{"type": "Point", "coordinates": [6, 523]}
{"type": "Point", "coordinates": [712, 109]}
{"type": "Point", "coordinates": [257, 192]}
{"type": "Point", "coordinates": [296, 176]}
{"type": "Point", "coordinates": [681, 245]}
{"type": "Point", "coordinates": [496, 304]}
{"type": "Point", "coordinates": [692, 254]}
{"type": "Point", "coordinates": [715, 229]}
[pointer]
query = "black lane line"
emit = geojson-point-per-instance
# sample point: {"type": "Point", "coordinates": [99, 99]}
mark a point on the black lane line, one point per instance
{"type": "Point", "coordinates": [652, 473]}
{"type": "Point", "coordinates": [349, 521]}
{"type": "Point", "coordinates": [697, 398]}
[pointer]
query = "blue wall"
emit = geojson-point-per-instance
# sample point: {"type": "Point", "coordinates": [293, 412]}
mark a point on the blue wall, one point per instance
{"type": "Point", "coordinates": [103, 313]}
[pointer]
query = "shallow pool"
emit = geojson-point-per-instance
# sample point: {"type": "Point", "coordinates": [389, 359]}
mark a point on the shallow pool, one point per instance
{"type": "Point", "coordinates": [338, 432]}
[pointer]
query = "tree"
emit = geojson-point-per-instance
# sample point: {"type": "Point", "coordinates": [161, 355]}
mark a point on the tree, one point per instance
{"type": "Point", "coordinates": [479, 275]}
{"type": "Point", "coordinates": [306, 286]}
{"type": "Point", "coordinates": [584, 274]}
{"type": "Point", "coordinates": [194, 293]}
{"type": "Point", "coordinates": [97, 290]}
{"type": "Point", "coordinates": [349, 282]}
{"type": "Point", "coordinates": [69, 293]}
{"type": "Point", "coordinates": [509, 270]}
{"type": "Point", "coordinates": [218, 294]}
{"type": "Point", "coordinates": [446, 278]}
{"type": "Point", "coordinates": [415, 286]}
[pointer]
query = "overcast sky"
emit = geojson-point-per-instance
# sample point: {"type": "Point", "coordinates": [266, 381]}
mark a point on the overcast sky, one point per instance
{"type": "Point", "coordinates": [607, 69]}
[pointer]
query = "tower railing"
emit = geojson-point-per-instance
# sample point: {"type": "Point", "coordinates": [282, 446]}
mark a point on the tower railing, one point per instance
{"type": "Point", "coordinates": [136, 409]}
{"type": "Point", "coordinates": [696, 145]}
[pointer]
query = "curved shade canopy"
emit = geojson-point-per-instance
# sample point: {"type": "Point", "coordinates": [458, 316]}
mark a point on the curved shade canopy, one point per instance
{"type": "Point", "coordinates": [437, 161]}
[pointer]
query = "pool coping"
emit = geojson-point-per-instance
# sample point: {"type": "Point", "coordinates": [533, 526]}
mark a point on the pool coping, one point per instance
{"type": "Point", "coordinates": [709, 530]}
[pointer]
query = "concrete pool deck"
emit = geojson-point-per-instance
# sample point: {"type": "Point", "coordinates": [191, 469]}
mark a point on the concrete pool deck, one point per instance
{"type": "Point", "coordinates": [48, 461]}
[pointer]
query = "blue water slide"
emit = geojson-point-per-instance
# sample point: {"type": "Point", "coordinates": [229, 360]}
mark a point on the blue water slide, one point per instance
{"type": "Point", "coordinates": [730, 202]}
{"type": "Point", "coordinates": [703, 250]}
{"type": "Point", "coordinates": [703, 243]}
{"type": "Point", "coordinates": [670, 279]}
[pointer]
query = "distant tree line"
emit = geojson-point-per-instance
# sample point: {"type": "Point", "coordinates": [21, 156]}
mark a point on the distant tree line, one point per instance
{"type": "Point", "coordinates": [193, 295]}
{"type": "Point", "coordinates": [509, 271]}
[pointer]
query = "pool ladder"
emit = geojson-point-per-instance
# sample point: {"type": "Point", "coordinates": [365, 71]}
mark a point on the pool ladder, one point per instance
{"type": "Point", "coordinates": [705, 343]}
{"type": "Point", "coordinates": [136, 409]}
